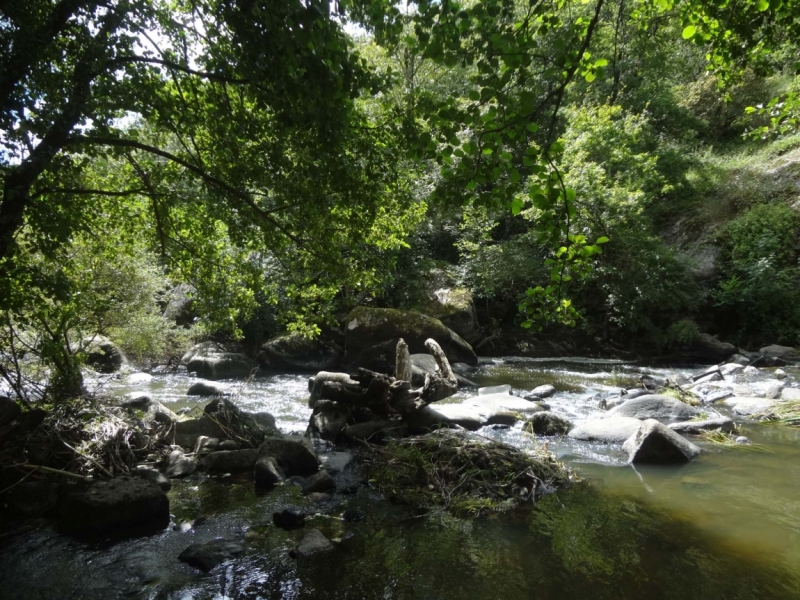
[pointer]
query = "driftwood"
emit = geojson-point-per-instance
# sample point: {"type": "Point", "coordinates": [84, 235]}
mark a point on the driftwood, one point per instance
{"type": "Point", "coordinates": [402, 371]}
{"type": "Point", "coordinates": [379, 396]}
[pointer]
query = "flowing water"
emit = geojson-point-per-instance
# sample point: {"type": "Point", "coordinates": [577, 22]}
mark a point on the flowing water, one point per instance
{"type": "Point", "coordinates": [724, 526]}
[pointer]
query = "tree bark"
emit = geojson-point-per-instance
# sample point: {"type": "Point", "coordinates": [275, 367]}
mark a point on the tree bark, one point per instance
{"type": "Point", "coordinates": [402, 370]}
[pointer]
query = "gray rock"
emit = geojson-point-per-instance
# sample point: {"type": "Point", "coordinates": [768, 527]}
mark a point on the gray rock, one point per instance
{"type": "Point", "coordinates": [266, 471]}
{"type": "Point", "coordinates": [503, 418]}
{"type": "Point", "coordinates": [138, 379]}
{"type": "Point", "coordinates": [293, 454]}
{"type": "Point", "coordinates": [740, 359]}
{"type": "Point", "coordinates": [154, 475]}
{"type": "Point", "coordinates": [695, 427]}
{"type": "Point", "coordinates": [747, 406]}
{"type": "Point", "coordinates": [336, 462]}
{"type": "Point", "coordinates": [790, 394]}
{"type": "Point", "coordinates": [161, 414]}
{"type": "Point", "coordinates": [730, 369]}
{"type": "Point", "coordinates": [547, 423]}
{"type": "Point", "coordinates": [494, 403]}
{"type": "Point", "coordinates": [319, 482]}
{"type": "Point", "coordinates": [178, 465]}
{"type": "Point", "coordinates": [292, 351]}
{"type": "Point", "coordinates": [367, 328]}
{"type": "Point", "coordinates": [608, 430]}
{"type": "Point", "coordinates": [375, 431]}
{"type": "Point", "coordinates": [313, 543]}
{"type": "Point", "coordinates": [229, 445]}
{"type": "Point", "coordinates": [213, 361]}
{"type": "Point", "coordinates": [204, 388]}
{"type": "Point", "coordinates": [751, 370]}
{"type": "Point", "coordinates": [711, 347]}
{"type": "Point", "coordinates": [634, 394]}
{"type": "Point", "coordinates": [713, 376]}
{"type": "Point", "coordinates": [267, 423]}
{"type": "Point", "coordinates": [655, 443]}
{"type": "Point", "coordinates": [742, 441]}
{"type": "Point", "coordinates": [436, 416]}
{"type": "Point", "coordinates": [229, 461]}
{"type": "Point", "coordinates": [494, 389]}
{"type": "Point", "coordinates": [186, 432]}
{"type": "Point", "coordinates": [543, 391]}
{"type": "Point", "coordinates": [779, 374]}
{"type": "Point", "coordinates": [136, 401]}
{"type": "Point", "coordinates": [452, 305]}
{"type": "Point", "coordinates": [207, 556]}
{"type": "Point", "coordinates": [121, 505]}
{"type": "Point", "coordinates": [777, 351]}
{"type": "Point", "coordinates": [773, 391]}
{"type": "Point", "coordinates": [655, 406]}
{"type": "Point", "coordinates": [328, 419]}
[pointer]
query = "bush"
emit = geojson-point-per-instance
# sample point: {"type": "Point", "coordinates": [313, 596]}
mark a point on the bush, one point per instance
{"type": "Point", "coordinates": [761, 275]}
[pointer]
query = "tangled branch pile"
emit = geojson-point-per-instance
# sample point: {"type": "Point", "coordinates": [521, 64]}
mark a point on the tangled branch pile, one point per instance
{"type": "Point", "coordinates": [464, 474]}
{"type": "Point", "coordinates": [84, 437]}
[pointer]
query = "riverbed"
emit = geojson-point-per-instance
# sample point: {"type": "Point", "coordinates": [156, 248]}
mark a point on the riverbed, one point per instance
{"type": "Point", "coordinates": [726, 525]}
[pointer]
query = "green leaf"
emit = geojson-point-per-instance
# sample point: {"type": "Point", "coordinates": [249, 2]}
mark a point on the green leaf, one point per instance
{"type": "Point", "coordinates": [689, 31]}
{"type": "Point", "coordinates": [763, 5]}
{"type": "Point", "coordinates": [516, 206]}
{"type": "Point", "coordinates": [488, 151]}
{"type": "Point", "coordinates": [532, 127]}
{"type": "Point", "coordinates": [601, 240]}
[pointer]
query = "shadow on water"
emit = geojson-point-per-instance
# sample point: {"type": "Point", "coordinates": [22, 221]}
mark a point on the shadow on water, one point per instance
{"type": "Point", "coordinates": [580, 543]}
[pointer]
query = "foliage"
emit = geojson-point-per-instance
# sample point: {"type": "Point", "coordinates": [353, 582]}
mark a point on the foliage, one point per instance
{"type": "Point", "coordinates": [761, 273]}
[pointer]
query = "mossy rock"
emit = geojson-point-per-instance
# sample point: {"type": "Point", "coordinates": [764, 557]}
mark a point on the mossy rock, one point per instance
{"type": "Point", "coordinates": [366, 328]}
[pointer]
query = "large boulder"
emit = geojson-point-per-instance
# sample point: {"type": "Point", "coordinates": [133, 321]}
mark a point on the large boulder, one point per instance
{"type": "Point", "coordinates": [293, 351]}
{"type": "Point", "coordinates": [655, 406]}
{"type": "Point", "coordinates": [608, 430]}
{"type": "Point", "coordinates": [747, 406]}
{"type": "Point", "coordinates": [775, 350]}
{"type": "Point", "coordinates": [373, 332]}
{"type": "Point", "coordinates": [655, 443]}
{"type": "Point", "coordinates": [213, 361]}
{"type": "Point", "coordinates": [180, 305]}
{"type": "Point", "coordinates": [118, 506]}
{"type": "Point", "coordinates": [102, 354]}
{"type": "Point", "coordinates": [186, 432]}
{"type": "Point", "coordinates": [709, 347]}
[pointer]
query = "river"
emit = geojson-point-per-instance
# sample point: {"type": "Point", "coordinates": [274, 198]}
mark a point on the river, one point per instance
{"type": "Point", "coordinates": [726, 525]}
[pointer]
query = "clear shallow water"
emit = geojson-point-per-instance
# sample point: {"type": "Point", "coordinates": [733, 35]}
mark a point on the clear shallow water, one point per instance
{"type": "Point", "coordinates": [725, 526]}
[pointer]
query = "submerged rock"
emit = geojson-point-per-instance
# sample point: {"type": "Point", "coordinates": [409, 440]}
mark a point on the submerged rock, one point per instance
{"type": "Point", "coordinates": [336, 462]}
{"type": "Point", "coordinates": [724, 424]}
{"type": "Point", "coordinates": [608, 430]}
{"type": "Point", "coordinates": [207, 556]}
{"type": "Point", "coordinates": [319, 482]}
{"type": "Point", "coordinates": [289, 518]}
{"type": "Point", "coordinates": [229, 461]}
{"type": "Point", "coordinates": [313, 543]}
{"type": "Point", "coordinates": [655, 406]}
{"type": "Point", "coordinates": [267, 472]}
{"type": "Point", "coordinates": [655, 443]}
{"type": "Point", "coordinates": [204, 388]}
{"type": "Point", "coordinates": [120, 505]}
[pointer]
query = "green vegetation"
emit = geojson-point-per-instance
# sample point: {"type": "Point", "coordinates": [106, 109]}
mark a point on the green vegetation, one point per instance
{"type": "Point", "coordinates": [560, 160]}
{"type": "Point", "coordinates": [464, 475]}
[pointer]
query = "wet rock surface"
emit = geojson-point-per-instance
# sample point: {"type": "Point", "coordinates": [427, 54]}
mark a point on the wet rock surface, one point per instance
{"type": "Point", "coordinates": [655, 443]}
{"type": "Point", "coordinates": [312, 544]}
{"type": "Point", "coordinates": [211, 554]}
